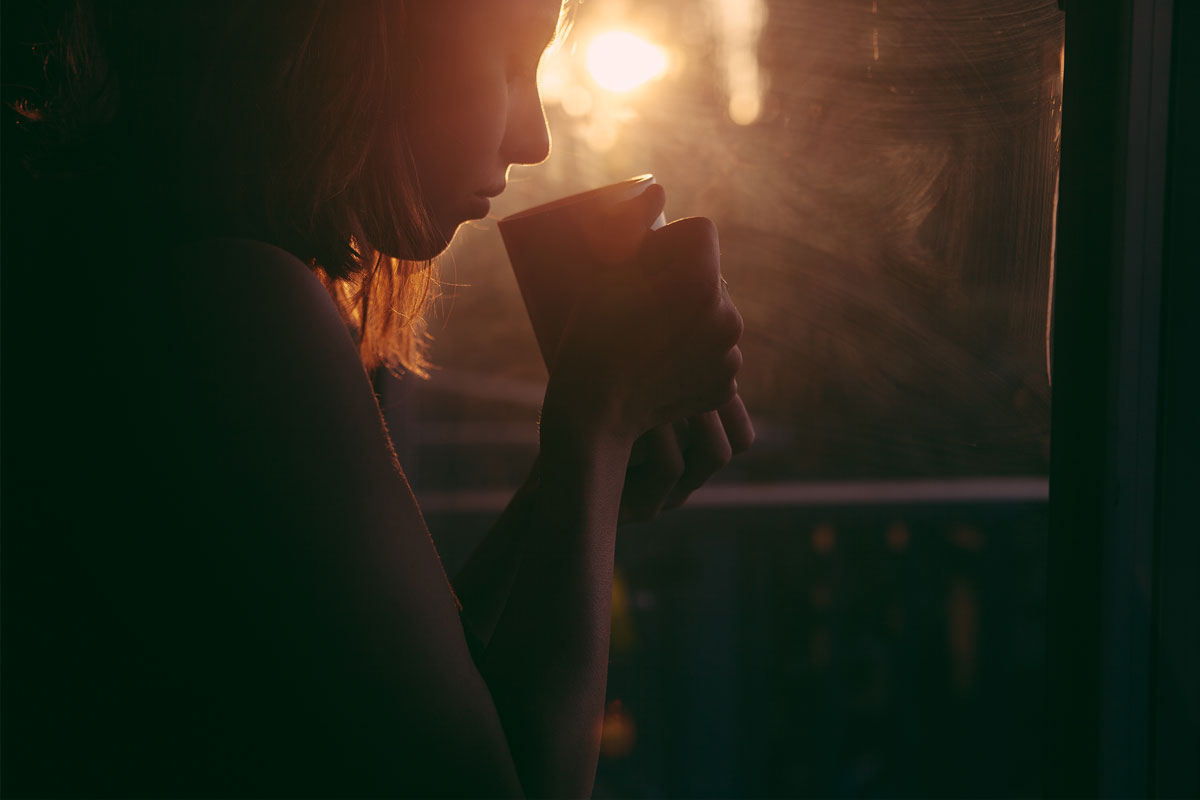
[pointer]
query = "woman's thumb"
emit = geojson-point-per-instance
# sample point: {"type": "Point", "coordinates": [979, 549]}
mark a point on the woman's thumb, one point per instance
{"type": "Point", "coordinates": [626, 224]}
{"type": "Point", "coordinates": [641, 211]}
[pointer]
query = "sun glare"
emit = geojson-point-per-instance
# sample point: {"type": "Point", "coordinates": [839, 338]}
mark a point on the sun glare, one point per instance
{"type": "Point", "coordinates": [619, 61]}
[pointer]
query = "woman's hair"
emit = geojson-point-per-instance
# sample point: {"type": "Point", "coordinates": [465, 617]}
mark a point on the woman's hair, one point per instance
{"type": "Point", "coordinates": [275, 120]}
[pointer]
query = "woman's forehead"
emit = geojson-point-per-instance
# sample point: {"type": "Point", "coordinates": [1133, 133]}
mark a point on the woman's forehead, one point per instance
{"type": "Point", "coordinates": [526, 18]}
{"type": "Point", "coordinates": [537, 12]}
{"type": "Point", "coordinates": [531, 17]}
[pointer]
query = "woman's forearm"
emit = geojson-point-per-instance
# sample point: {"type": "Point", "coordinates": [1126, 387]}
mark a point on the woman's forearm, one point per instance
{"type": "Point", "coordinates": [546, 663]}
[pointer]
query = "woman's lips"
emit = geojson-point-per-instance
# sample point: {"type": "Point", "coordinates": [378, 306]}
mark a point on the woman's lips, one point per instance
{"type": "Point", "coordinates": [481, 203]}
{"type": "Point", "coordinates": [479, 207]}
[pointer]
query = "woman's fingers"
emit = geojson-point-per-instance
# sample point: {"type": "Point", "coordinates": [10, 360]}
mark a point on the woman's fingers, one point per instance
{"type": "Point", "coordinates": [643, 446]}
{"type": "Point", "coordinates": [683, 262]}
{"type": "Point", "coordinates": [708, 450]}
{"type": "Point", "coordinates": [736, 422]}
{"type": "Point", "coordinates": [664, 340]}
{"type": "Point", "coordinates": [640, 452]}
{"type": "Point", "coordinates": [626, 225]}
{"type": "Point", "coordinates": [719, 387]}
{"type": "Point", "coordinates": [670, 462]}
{"type": "Point", "coordinates": [648, 483]}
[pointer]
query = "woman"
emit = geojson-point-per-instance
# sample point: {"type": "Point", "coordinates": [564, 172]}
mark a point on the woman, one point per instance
{"type": "Point", "coordinates": [217, 580]}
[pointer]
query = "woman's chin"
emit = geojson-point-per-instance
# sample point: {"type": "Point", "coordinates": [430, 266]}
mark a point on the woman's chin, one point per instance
{"type": "Point", "coordinates": [429, 250]}
{"type": "Point", "coordinates": [442, 230]}
{"type": "Point", "coordinates": [441, 238]}
{"type": "Point", "coordinates": [426, 249]}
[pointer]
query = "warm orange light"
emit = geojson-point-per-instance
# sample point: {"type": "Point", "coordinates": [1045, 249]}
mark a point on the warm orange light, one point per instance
{"type": "Point", "coordinates": [823, 537]}
{"type": "Point", "coordinates": [619, 61]}
{"type": "Point", "coordinates": [619, 733]}
{"type": "Point", "coordinates": [897, 536]}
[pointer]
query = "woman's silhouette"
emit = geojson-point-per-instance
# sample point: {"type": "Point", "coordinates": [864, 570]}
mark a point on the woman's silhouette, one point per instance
{"type": "Point", "coordinates": [216, 578]}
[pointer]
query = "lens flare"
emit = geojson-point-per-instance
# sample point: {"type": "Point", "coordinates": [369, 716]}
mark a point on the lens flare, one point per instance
{"type": "Point", "coordinates": [620, 61]}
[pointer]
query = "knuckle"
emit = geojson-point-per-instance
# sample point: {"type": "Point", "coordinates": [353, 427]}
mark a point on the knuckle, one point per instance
{"type": "Point", "coordinates": [706, 232]}
{"type": "Point", "coordinates": [686, 261]}
{"type": "Point", "coordinates": [729, 393]}
{"type": "Point", "coordinates": [737, 326]}
{"type": "Point", "coordinates": [721, 394]}
{"type": "Point", "coordinates": [709, 453]}
{"type": "Point", "coordinates": [725, 327]}
{"type": "Point", "coordinates": [703, 288]}
{"type": "Point", "coordinates": [705, 251]}
{"type": "Point", "coordinates": [732, 363]}
{"type": "Point", "coordinates": [719, 456]}
{"type": "Point", "coordinates": [725, 452]}
{"type": "Point", "coordinates": [668, 465]}
{"type": "Point", "coordinates": [743, 442]}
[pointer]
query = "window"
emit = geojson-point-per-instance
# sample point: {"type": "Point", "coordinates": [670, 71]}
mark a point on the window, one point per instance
{"type": "Point", "coordinates": [855, 606]}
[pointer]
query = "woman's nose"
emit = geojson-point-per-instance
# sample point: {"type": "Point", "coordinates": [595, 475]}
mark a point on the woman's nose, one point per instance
{"type": "Point", "coordinates": [527, 137]}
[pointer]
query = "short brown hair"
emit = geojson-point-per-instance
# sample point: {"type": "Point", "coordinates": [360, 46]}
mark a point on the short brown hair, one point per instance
{"type": "Point", "coordinates": [273, 120]}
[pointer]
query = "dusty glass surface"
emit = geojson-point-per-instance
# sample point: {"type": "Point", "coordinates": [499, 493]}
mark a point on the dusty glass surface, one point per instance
{"type": "Point", "coordinates": [855, 607]}
{"type": "Point", "coordinates": [883, 176]}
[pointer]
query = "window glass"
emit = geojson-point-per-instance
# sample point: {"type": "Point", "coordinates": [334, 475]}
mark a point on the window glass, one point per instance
{"type": "Point", "coordinates": [864, 583]}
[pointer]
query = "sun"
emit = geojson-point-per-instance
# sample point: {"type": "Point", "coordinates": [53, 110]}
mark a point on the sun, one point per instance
{"type": "Point", "coordinates": [619, 61]}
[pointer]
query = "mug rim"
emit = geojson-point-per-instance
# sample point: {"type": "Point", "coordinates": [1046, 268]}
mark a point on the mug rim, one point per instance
{"type": "Point", "coordinates": [574, 199]}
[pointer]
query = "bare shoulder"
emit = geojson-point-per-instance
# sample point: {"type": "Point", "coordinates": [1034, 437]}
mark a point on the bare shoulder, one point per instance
{"type": "Point", "coordinates": [254, 318]}
{"type": "Point", "coordinates": [250, 283]}
{"type": "Point", "coordinates": [243, 259]}
{"type": "Point", "coordinates": [287, 480]}
{"type": "Point", "coordinates": [254, 357]}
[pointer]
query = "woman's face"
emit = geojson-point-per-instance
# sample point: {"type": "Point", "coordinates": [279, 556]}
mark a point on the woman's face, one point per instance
{"type": "Point", "coordinates": [472, 108]}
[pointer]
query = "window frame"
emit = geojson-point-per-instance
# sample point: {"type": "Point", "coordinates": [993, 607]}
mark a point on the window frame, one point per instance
{"type": "Point", "coordinates": [1115, 338]}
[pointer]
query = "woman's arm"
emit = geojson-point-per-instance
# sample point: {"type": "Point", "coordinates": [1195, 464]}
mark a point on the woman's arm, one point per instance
{"type": "Point", "coordinates": [656, 342]}
{"type": "Point", "coordinates": [345, 605]}
{"type": "Point", "coordinates": [674, 460]}
{"type": "Point", "coordinates": [343, 585]}
{"type": "Point", "coordinates": [557, 612]}
{"type": "Point", "coordinates": [537, 591]}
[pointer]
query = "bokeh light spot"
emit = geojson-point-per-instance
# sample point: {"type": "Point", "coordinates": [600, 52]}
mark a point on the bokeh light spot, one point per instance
{"type": "Point", "coordinates": [620, 61]}
{"type": "Point", "coordinates": [897, 537]}
{"type": "Point", "coordinates": [823, 539]}
{"type": "Point", "coordinates": [744, 107]}
{"type": "Point", "coordinates": [577, 101]}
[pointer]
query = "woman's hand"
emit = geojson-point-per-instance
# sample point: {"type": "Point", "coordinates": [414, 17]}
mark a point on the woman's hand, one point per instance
{"type": "Point", "coordinates": [670, 462]}
{"type": "Point", "coordinates": [654, 338]}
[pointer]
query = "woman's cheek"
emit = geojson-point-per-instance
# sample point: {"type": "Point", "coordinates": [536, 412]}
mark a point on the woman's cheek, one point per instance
{"type": "Point", "coordinates": [485, 115]}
